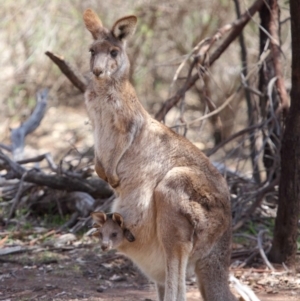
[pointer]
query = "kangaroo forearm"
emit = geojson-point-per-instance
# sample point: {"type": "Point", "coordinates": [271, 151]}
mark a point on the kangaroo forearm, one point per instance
{"type": "Point", "coordinates": [122, 145]}
{"type": "Point", "coordinates": [100, 170]}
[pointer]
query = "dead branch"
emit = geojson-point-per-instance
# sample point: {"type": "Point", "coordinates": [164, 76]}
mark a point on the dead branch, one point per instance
{"type": "Point", "coordinates": [95, 187]}
{"type": "Point", "coordinates": [76, 78]}
{"type": "Point", "coordinates": [105, 206]}
{"type": "Point", "coordinates": [236, 28]}
{"type": "Point", "coordinates": [12, 250]}
{"type": "Point", "coordinates": [6, 147]}
{"type": "Point", "coordinates": [276, 54]}
{"type": "Point", "coordinates": [17, 198]}
{"type": "Point", "coordinates": [18, 135]}
{"type": "Point", "coordinates": [260, 194]}
{"type": "Point", "coordinates": [249, 259]}
{"type": "Point", "coordinates": [234, 136]}
{"type": "Point", "coordinates": [244, 290]}
{"type": "Point", "coordinates": [261, 250]}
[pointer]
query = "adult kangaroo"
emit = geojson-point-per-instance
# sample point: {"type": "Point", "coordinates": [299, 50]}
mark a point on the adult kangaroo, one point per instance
{"type": "Point", "coordinates": [174, 202]}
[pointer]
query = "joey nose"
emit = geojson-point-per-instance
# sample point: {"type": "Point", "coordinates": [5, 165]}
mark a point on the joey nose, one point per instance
{"type": "Point", "coordinates": [104, 247]}
{"type": "Point", "coordinates": [97, 71]}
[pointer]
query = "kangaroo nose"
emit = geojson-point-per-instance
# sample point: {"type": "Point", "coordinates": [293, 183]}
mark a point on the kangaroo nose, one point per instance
{"type": "Point", "coordinates": [97, 71]}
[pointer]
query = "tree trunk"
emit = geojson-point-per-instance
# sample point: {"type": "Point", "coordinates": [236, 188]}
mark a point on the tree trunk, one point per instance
{"type": "Point", "coordinates": [284, 247]}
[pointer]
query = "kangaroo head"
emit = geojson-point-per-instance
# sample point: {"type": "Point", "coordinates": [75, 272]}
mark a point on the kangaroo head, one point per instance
{"type": "Point", "coordinates": [110, 230]}
{"type": "Point", "coordinates": [108, 56]}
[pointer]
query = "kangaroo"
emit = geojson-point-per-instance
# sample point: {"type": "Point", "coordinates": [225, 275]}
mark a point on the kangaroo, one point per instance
{"type": "Point", "coordinates": [175, 203]}
{"type": "Point", "coordinates": [110, 230]}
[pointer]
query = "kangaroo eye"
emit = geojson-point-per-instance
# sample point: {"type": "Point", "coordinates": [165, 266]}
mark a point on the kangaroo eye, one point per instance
{"type": "Point", "coordinates": [114, 53]}
{"type": "Point", "coordinates": [92, 51]}
{"type": "Point", "coordinates": [114, 234]}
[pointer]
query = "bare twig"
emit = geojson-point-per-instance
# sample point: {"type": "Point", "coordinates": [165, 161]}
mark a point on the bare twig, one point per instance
{"type": "Point", "coordinates": [234, 136]}
{"type": "Point", "coordinates": [6, 147]}
{"type": "Point", "coordinates": [69, 71]}
{"type": "Point", "coordinates": [249, 258]}
{"type": "Point", "coordinates": [261, 250]}
{"type": "Point", "coordinates": [260, 193]}
{"type": "Point", "coordinates": [39, 158]}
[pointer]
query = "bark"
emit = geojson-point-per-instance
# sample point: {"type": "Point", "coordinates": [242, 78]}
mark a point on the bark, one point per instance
{"type": "Point", "coordinates": [284, 247]}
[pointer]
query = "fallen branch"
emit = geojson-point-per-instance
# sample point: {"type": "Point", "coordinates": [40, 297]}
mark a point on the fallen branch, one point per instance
{"type": "Point", "coordinates": [42, 237]}
{"type": "Point", "coordinates": [95, 187]}
{"type": "Point", "coordinates": [76, 78]}
{"type": "Point", "coordinates": [12, 250]}
{"type": "Point", "coordinates": [17, 198]}
{"type": "Point", "coordinates": [245, 291]}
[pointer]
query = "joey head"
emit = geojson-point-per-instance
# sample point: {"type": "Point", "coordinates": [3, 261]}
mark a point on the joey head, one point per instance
{"type": "Point", "coordinates": [110, 230]}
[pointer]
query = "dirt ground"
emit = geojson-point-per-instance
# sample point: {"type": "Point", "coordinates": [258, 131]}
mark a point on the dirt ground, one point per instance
{"type": "Point", "coordinates": [65, 267]}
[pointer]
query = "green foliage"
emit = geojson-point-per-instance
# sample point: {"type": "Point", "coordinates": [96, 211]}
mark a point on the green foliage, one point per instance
{"type": "Point", "coordinates": [55, 220]}
{"type": "Point", "coordinates": [251, 228]}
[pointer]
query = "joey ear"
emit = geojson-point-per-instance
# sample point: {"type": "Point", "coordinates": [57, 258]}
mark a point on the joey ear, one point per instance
{"type": "Point", "coordinates": [92, 23]}
{"type": "Point", "coordinates": [129, 236]}
{"type": "Point", "coordinates": [116, 217]}
{"type": "Point", "coordinates": [99, 218]}
{"type": "Point", "coordinates": [96, 233]}
{"type": "Point", "coordinates": [124, 27]}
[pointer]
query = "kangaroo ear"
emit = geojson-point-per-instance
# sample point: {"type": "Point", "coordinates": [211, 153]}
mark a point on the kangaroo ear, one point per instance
{"type": "Point", "coordinates": [92, 23]}
{"type": "Point", "coordinates": [129, 236]}
{"type": "Point", "coordinates": [99, 219]}
{"type": "Point", "coordinates": [124, 27]}
{"type": "Point", "coordinates": [116, 217]}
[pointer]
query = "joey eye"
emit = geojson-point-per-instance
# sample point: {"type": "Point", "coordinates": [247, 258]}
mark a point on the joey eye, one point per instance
{"type": "Point", "coordinates": [114, 53]}
{"type": "Point", "coordinates": [92, 51]}
{"type": "Point", "coordinates": [114, 235]}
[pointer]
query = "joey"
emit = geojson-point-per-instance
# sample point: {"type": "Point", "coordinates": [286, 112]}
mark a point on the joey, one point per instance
{"type": "Point", "coordinates": [110, 230]}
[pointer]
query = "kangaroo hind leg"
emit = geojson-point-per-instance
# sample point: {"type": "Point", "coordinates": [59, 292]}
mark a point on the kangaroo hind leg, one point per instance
{"type": "Point", "coordinates": [175, 233]}
{"type": "Point", "coordinates": [212, 272]}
